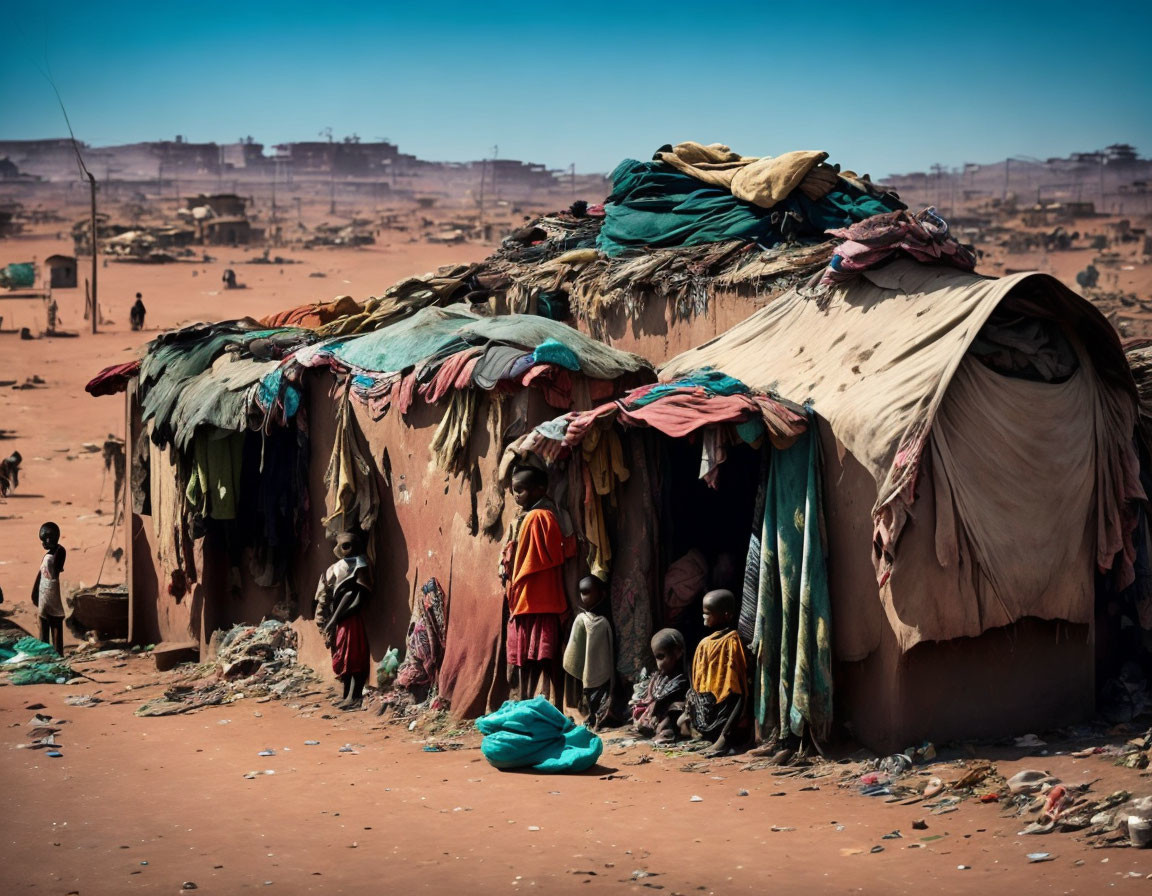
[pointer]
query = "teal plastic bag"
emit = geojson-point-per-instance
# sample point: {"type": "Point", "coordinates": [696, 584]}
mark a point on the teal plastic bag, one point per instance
{"type": "Point", "coordinates": [535, 734]}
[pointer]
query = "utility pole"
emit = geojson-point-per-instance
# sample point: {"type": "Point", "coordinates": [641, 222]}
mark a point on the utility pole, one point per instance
{"type": "Point", "coordinates": [84, 172]}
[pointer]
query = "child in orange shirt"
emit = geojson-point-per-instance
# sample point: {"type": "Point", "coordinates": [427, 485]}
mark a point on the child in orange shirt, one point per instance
{"type": "Point", "coordinates": [532, 568]}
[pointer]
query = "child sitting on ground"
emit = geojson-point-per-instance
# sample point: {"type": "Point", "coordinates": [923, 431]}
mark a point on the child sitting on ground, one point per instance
{"type": "Point", "coordinates": [532, 569]}
{"type": "Point", "coordinates": [656, 713]}
{"type": "Point", "coordinates": [590, 657]}
{"type": "Point", "coordinates": [341, 594]}
{"type": "Point", "coordinates": [715, 708]}
{"type": "Point", "coordinates": [46, 588]}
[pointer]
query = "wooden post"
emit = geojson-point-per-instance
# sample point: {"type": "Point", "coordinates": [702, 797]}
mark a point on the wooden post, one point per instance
{"type": "Point", "coordinates": [95, 252]}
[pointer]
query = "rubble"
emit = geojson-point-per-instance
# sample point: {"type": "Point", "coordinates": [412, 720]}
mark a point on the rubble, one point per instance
{"type": "Point", "coordinates": [250, 661]}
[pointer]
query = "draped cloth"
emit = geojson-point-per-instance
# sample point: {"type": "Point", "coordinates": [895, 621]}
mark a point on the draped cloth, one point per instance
{"type": "Point", "coordinates": [537, 551]}
{"type": "Point", "coordinates": [426, 635]}
{"type": "Point", "coordinates": [785, 602]}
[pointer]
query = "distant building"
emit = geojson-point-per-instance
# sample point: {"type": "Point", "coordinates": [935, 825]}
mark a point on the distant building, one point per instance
{"type": "Point", "coordinates": [223, 205]}
{"type": "Point", "coordinates": [226, 231]}
{"type": "Point", "coordinates": [61, 271]}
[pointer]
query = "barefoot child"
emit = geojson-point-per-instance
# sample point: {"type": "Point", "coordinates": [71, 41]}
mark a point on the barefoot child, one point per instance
{"type": "Point", "coordinates": [590, 657]}
{"type": "Point", "coordinates": [715, 706]}
{"type": "Point", "coordinates": [46, 588]}
{"type": "Point", "coordinates": [340, 597]}
{"type": "Point", "coordinates": [532, 568]}
{"type": "Point", "coordinates": [656, 713]}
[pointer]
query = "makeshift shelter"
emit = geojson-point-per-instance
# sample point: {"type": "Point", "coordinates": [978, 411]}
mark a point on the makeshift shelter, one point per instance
{"type": "Point", "coordinates": [980, 488]}
{"type": "Point", "coordinates": [980, 471]}
{"type": "Point", "coordinates": [61, 271]}
{"type": "Point", "coordinates": [249, 443]}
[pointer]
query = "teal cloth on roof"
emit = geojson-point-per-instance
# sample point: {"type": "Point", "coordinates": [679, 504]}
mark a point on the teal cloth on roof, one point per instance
{"type": "Point", "coordinates": [550, 351]}
{"type": "Point", "coordinates": [710, 380]}
{"type": "Point", "coordinates": [652, 205]}
{"type": "Point", "coordinates": [535, 734]}
{"type": "Point", "coordinates": [438, 332]}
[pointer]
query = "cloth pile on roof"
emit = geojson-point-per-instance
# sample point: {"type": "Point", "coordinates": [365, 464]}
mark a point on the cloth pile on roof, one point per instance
{"type": "Point", "coordinates": [251, 661]}
{"type": "Point", "coordinates": [438, 352]}
{"type": "Point", "coordinates": [692, 194]}
{"type": "Point", "coordinates": [874, 241]}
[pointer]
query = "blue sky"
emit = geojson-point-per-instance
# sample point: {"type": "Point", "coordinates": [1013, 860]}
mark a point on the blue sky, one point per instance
{"type": "Point", "coordinates": [883, 87]}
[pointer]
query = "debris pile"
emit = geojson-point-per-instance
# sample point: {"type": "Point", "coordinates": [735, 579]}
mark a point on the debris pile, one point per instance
{"type": "Point", "coordinates": [250, 661]}
{"type": "Point", "coordinates": [27, 660]}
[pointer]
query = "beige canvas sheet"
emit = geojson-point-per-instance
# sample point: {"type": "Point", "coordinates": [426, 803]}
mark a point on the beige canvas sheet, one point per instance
{"type": "Point", "coordinates": [1027, 478]}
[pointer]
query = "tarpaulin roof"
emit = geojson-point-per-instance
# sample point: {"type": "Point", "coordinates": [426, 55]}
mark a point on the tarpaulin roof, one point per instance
{"type": "Point", "coordinates": [884, 359]}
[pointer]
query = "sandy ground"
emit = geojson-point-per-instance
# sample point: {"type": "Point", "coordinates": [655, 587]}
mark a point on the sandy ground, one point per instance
{"type": "Point", "coordinates": [143, 805]}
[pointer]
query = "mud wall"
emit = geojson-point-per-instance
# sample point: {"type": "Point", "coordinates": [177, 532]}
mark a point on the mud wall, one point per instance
{"type": "Point", "coordinates": [429, 525]}
{"type": "Point", "coordinates": [657, 330]}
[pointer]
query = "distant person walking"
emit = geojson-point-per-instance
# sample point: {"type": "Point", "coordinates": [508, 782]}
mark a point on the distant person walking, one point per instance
{"type": "Point", "coordinates": [136, 315]}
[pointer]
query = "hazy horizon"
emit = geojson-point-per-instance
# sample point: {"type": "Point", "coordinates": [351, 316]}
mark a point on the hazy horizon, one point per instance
{"type": "Point", "coordinates": [593, 83]}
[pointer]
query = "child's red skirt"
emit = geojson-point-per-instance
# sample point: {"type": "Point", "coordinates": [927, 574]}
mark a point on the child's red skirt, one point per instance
{"type": "Point", "coordinates": [350, 649]}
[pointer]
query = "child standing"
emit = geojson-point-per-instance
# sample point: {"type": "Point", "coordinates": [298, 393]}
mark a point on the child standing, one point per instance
{"type": "Point", "coordinates": [590, 657]}
{"type": "Point", "coordinates": [532, 569]}
{"type": "Point", "coordinates": [715, 705]}
{"type": "Point", "coordinates": [46, 588]}
{"type": "Point", "coordinates": [341, 594]}
{"type": "Point", "coordinates": [656, 713]}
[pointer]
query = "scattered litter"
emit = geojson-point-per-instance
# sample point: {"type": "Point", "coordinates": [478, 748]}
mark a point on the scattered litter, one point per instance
{"type": "Point", "coordinates": [54, 754]}
{"type": "Point", "coordinates": [188, 885]}
{"type": "Point", "coordinates": [780, 829]}
{"type": "Point", "coordinates": [311, 743]}
{"type": "Point", "coordinates": [1040, 857]}
{"type": "Point", "coordinates": [82, 700]}
{"type": "Point", "coordinates": [347, 748]}
{"type": "Point", "coordinates": [1030, 740]}
{"type": "Point", "coordinates": [696, 799]}
{"type": "Point", "coordinates": [876, 849]}
{"type": "Point", "coordinates": [894, 835]}
{"type": "Point", "coordinates": [919, 825]}
{"type": "Point", "coordinates": [741, 793]}
{"type": "Point", "coordinates": [533, 827]}
{"type": "Point", "coordinates": [254, 661]}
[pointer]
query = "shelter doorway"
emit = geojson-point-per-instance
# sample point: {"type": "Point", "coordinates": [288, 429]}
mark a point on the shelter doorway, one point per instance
{"type": "Point", "coordinates": [704, 531]}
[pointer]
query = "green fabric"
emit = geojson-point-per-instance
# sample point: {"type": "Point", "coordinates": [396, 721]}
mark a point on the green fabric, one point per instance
{"type": "Point", "coordinates": [652, 205]}
{"type": "Point", "coordinates": [214, 485]}
{"type": "Point", "coordinates": [18, 275]}
{"type": "Point", "coordinates": [40, 673]}
{"type": "Point", "coordinates": [28, 646]}
{"type": "Point", "coordinates": [788, 580]}
{"type": "Point", "coordinates": [535, 734]}
{"type": "Point", "coordinates": [39, 663]}
{"type": "Point", "coordinates": [550, 351]}
{"type": "Point", "coordinates": [433, 332]}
